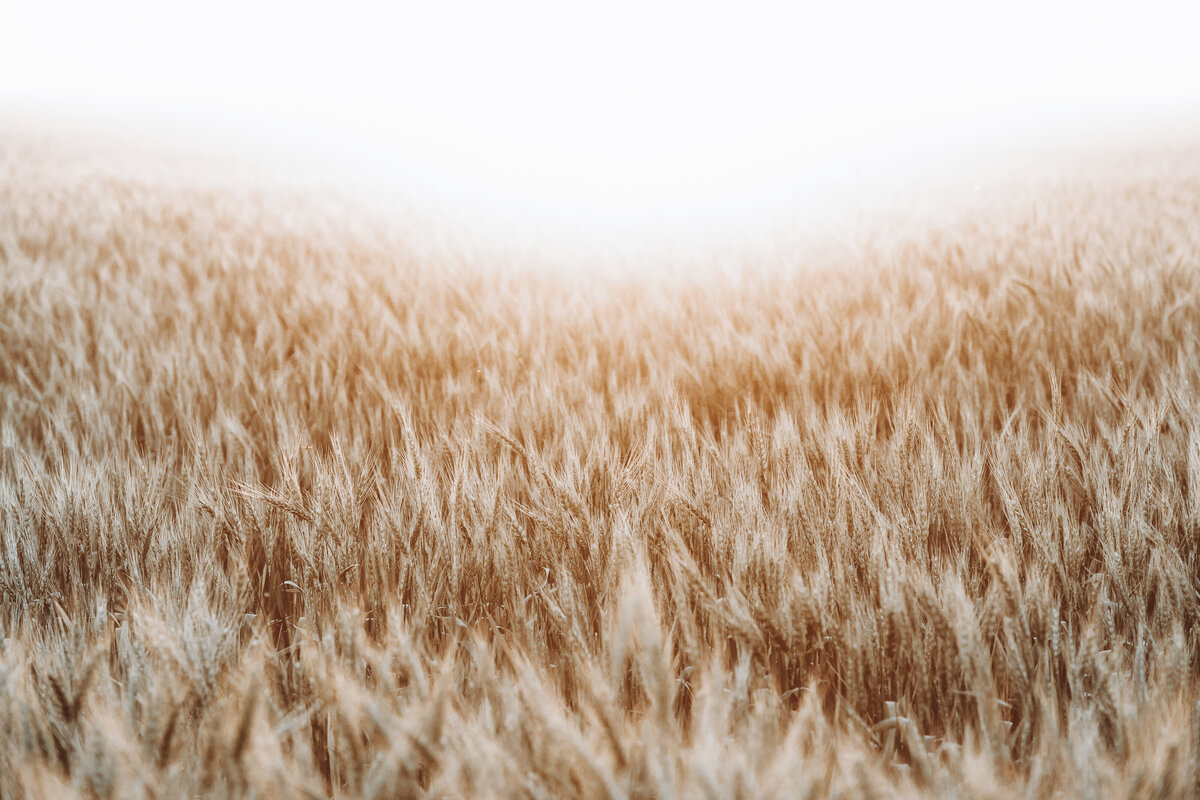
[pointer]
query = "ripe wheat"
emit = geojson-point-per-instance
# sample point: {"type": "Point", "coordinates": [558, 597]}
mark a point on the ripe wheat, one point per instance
{"type": "Point", "coordinates": [289, 510]}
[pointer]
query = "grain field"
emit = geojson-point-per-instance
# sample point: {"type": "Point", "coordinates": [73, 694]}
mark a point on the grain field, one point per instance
{"type": "Point", "coordinates": [290, 509]}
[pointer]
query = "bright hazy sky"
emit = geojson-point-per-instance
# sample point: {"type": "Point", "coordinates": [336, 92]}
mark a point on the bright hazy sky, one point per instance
{"type": "Point", "coordinates": [612, 117]}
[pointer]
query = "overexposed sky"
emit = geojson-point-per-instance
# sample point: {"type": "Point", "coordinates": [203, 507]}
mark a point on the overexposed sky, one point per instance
{"type": "Point", "coordinates": [605, 119]}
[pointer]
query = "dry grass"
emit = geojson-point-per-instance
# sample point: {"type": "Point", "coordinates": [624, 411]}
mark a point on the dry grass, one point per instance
{"type": "Point", "coordinates": [286, 512]}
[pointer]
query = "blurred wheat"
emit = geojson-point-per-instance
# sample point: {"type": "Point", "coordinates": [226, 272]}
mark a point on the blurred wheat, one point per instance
{"type": "Point", "coordinates": [286, 511]}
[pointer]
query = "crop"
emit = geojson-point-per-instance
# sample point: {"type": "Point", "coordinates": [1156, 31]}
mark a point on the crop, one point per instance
{"type": "Point", "coordinates": [289, 508]}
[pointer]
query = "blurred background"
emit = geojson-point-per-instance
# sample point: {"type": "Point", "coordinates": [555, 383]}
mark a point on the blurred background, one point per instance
{"type": "Point", "coordinates": [596, 125]}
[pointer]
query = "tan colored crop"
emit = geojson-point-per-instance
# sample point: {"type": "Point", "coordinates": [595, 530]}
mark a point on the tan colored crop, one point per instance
{"type": "Point", "coordinates": [288, 511]}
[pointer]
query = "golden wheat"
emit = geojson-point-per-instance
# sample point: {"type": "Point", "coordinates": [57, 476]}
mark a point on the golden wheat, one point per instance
{"type": "Point", "coordinates": [287, 509]}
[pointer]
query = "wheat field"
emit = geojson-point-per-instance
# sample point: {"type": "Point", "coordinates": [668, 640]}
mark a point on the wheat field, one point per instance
{"type": "Point", "coordinates": [290, 509]}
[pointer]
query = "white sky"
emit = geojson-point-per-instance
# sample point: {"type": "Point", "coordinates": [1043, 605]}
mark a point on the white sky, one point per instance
{"type": "Point", "coordinates": [606, 119]}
